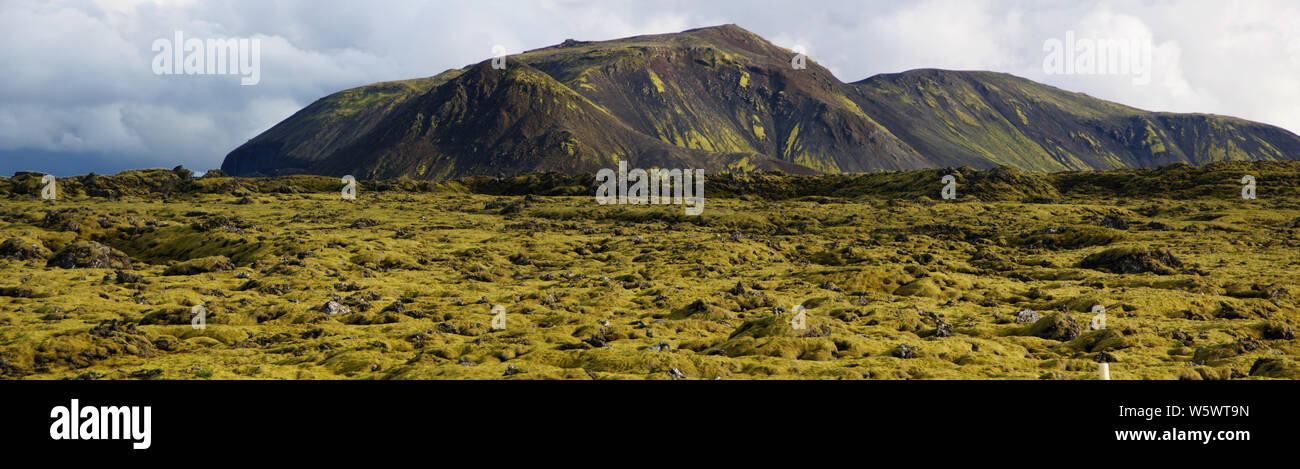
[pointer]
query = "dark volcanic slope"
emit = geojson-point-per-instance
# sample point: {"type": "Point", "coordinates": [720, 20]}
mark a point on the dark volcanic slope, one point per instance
{"type": "Point", "coordinates": [723, 98]}
{"type": "Point", "coordinates": [506, 122]}
{"type": "Point", "coordinates": [968, 117]}
{"type": "Point", "coordinates": [300, 142]}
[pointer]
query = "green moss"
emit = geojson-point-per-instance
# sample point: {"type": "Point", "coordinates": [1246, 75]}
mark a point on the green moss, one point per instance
{"type": "Point", "coordinates": [200, 266]}
{"type": "Point", "coordinates": [634, 292]}
{"type": "Point", "coordinates": [654, 79]}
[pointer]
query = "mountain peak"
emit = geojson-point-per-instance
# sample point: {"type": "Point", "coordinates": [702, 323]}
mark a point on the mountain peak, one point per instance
{"type": "Point", "coordinates": [723, 30]}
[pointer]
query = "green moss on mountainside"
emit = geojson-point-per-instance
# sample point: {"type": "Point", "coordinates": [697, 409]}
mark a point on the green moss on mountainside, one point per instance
{"type": "Point", "coordinates": [698, 96]}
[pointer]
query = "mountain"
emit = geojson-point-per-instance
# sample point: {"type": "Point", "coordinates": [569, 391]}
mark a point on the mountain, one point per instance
{"type": "Point", "coordinates": [724, 99]}
{"type": "Point", "coordinates": [983, 117]}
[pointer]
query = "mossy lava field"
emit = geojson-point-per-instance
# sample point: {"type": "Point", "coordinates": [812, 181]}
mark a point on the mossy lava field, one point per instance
{"type": "Point", "coordinates": [1003, 282]}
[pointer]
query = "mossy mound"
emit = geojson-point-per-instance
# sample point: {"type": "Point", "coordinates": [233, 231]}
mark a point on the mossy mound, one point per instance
{"type": "Point", "coordinates": [1070, 237]}
{"type": "Point", "coordinates": [1276, 330]}
{"type": "Point", "coordinates": [775, 336]}
{"type": "Point", "coordinates": [700, 309]}
{"type": "Point", "coordinates": [171, 316]}
{"type": "Point", "coordinates": [23, 249]}
{"type": "Point", "coordinates": [90, 255]}
{"type": "Point", "coordinates": [779, 325]}
{"type": "Point", "coordinates": [1056, 326]}
{"type": "Point", "coordinates": [81, 349]}
{"type": "Point", "coordinates": [1009, 183]}
{"type": "Point", "coordinates": [226, 223]}
{"type": "Point", "coordinates": [201, 265]}
{"type": "Point", "coordinates": [870, 279]}
{"type": "Point", "coordinates": [1284, 368]}
{"type": "Point", "coordinates": [19, 292]}
{"type": "Point", "coordinates": [924, 287]}
{"type": "Point", "coordinates": [815, 348]}
{"type": "Point", "coordinates": [1105, 340]}
{"type": "Point", "coordinates": [1215, 354]}
{"type": "Point", "coordinates": [1133, 260]}
{"type": "Point", "coordinates": [68, 219]}
{"type": "Point", "coordinates": [382, 261]}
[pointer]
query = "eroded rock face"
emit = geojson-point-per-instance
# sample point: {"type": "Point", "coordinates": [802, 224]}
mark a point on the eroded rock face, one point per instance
{"type": "Point", "coordinates": [90, 255]}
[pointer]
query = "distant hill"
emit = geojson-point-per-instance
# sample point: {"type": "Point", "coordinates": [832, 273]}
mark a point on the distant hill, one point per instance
{"type": "Point", "coordinates": [724, 99]}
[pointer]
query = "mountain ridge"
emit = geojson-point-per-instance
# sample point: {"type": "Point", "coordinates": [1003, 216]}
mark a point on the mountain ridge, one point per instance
{"type": "Point", "coordinates": [725, 99]}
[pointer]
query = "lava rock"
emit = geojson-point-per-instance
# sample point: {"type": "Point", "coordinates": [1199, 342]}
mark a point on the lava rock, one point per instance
{"type": "Point", "coordinates": [364, 223]}
{"type": "Point", "coordinates": [1112, 221]}
{"type": "Point", "coordinates": [123, 276]}
{"type": "Point", "coordinates": [905, 351]}
{"type": "Point", "coordinates": [1133, 261]}
{"type": "Point", "coordinates": [333, 308]}
{"type": "Point", "coordinates": [1056, 326]}
{"type": "Point", "coordinates": [941, 328]}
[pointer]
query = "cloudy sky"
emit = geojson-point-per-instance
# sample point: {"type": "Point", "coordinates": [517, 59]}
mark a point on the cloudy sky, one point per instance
{"type": "Point", "coordinates": [78, 92]}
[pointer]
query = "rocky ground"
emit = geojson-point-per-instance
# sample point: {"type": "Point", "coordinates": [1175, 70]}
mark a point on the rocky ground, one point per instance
{"type": "Point", "coordinates": [399, 284]}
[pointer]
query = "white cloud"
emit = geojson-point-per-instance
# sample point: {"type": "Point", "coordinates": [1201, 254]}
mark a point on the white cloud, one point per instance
{"type": "Point", "coordinates": [953, 34]}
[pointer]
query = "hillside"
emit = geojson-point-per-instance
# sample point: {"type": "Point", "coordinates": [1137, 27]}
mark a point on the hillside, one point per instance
{"type": "Point", "coordinates": [724, 99]}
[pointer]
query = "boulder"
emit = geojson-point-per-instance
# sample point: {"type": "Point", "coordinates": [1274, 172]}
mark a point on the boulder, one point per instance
{"type": "Point", "coordinates": [333, 307]}
{"type": "Point", "coordinates": [1055, 326]}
